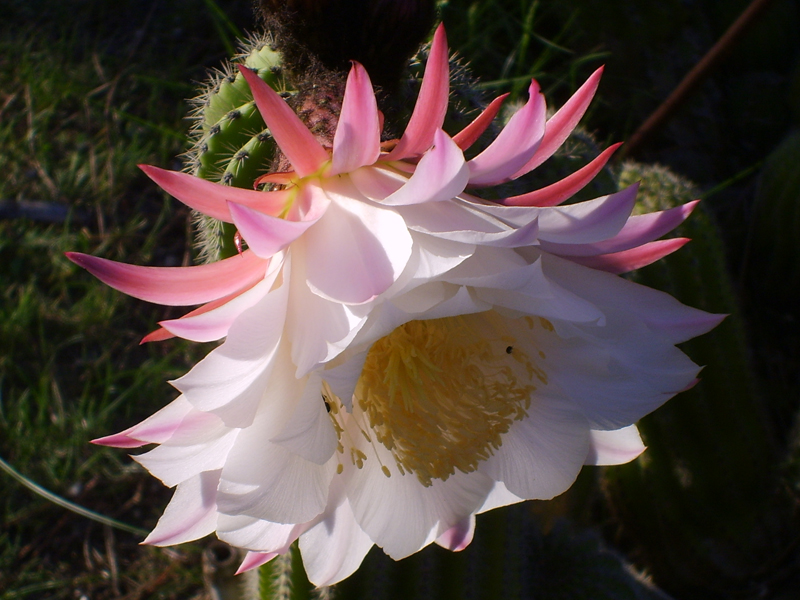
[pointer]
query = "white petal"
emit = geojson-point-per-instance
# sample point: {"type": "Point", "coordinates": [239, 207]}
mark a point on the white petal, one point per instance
{"type": "Point", "coordinates": [440, 175]}
{"type": "Point", "coordinates": [542, 454]}
{"type": "Point", "coordinates": [335, 546]}
{"type": "Point", "coordinates": [264, 480]}
{"type": "Point", "coordinates": [256, 534]}
{"type": "Point", "coordinates": [231, 380]}
{"type": "Point", "coordinates": [398, 512]}
{"type": "Point", "coordinates": [359, 248]}
{"type": "Point", "coordinates": [499, 496]}
{"type": "Point", "coordinates": [174, 463]}
{"type": "Point", "coordinates": [615, 447]}
{"type": "Point", "coordinates": [190, 515]}
{"type": "Point", "coordinates": [309, 432]}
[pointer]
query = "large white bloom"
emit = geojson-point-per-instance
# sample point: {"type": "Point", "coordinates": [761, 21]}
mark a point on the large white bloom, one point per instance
{"type": "Point", "coordinates": [400, 354]}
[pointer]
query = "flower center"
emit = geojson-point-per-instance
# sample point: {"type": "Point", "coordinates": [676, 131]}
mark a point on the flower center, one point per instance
{"type": "Point", "coordinates": [440, 394]}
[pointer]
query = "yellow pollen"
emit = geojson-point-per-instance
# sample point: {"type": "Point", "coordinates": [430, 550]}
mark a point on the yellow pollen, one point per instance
{"type": "Point", "coordinates": [440, 394]}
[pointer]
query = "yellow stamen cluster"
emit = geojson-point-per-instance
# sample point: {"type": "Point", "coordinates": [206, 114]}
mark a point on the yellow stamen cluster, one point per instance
{"type": "Point", "coordinates": [440, 394]}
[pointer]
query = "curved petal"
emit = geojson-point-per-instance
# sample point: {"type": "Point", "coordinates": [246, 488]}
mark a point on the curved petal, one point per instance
{"type": "Point", "coordinates": [285, 488]}
{"type": "Point", "coordinates": [470, 134]}
{"type": "Point", "coordinates": [431, 106]}
{"type": "Point", "coordinates": [292, 136]}
{"type": "Point", "coordinates": [515, 145]}
{"type": "Point", "coordinates": [559, 191]}
{"type": "Point", "coordinates": [335, 546]}
{"type": "Point", "coordinates": [253, 560]}
{"type": "Point", "coordinates": [561, 124]}
{"type": "Point", "coordinates": [459, 536]}
{"type": "Point", "coordinates": [638, 230]}
{"type": "Point", "coordinates": [176, 286]}
{"type": "Point", "coordinates": [588, 222]}
{"type": "Point", "coordinates": [542, 454]}
{"type": "Point", "coordinates": [441, 174]}
{"type": "Point", "coordinates": [635, 258]}
{"type": "Point", "coordinates": [357, 141]}
{"type": "Point", "coordinates": [309, 432]}
{"type": "Point", "coordinates": [190, 515]}
{"type": "Point", "coordinates": [155, 429]}
{"type": "Point", "coordinates": [615, 447]}
{"type": "Point", "coordinates": [257, 534]}
{"type": "Point", "coordinates": [267, 235]}
{"type": "Point", "coordinates": [212, 198]}
{"type": "Point", "coordinates": [214, 324]}
{"type": "Point", "coordinates": [360, 248]}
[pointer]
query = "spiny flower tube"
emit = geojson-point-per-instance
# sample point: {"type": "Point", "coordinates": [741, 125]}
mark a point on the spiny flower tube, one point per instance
{"type": "Point", "coordinates": [399, 354]}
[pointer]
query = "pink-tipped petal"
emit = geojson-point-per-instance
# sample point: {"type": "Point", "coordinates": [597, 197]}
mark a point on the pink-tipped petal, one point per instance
{"type": "Point", "coordinates": [561, 124]}
{"type": "Point", "coordinates": [190, 515]}
{"type": "Point", "coordinates": [629, 260]}
{"type": "Point", "coordinates": [214, 324]}
{"type": "Point", "coordinates": [431, 106]}
{"type": "Point", "coordinates": [162, 334]}
{"type": "Point", "coordinates": [639, 230]}
{"type": "Point", "coordinates": [470, 134]}
{"type": "Point", "coordinates": [159, 335]}
{"type": "Point", "coordinates": [588, 222]}
{"type": "Point", "coordinates": [292, 136]}
{"type": "Point", "coordinates": [155, 429]}
{"type": "Point", "coordinates": [441, 174]}
{"type": "Point", "coordinates": [253, 560]}
{"type": "Point", "coordinates": [212, 198]}
{"type": "Point", "coordinates": [555, 194]}
{"type": "Point", "coordinates": [118, 440]}
{"type": "Point", "coordinates": [176, 286]}
{"type": "Point", "coordinates": [515, 145]}
{"type": "Point", "coordinates": [267, 235]}
{"type": "Point", "coordinates": [358, 135]}
{"type": "Point", "coordinates": [459, 536]}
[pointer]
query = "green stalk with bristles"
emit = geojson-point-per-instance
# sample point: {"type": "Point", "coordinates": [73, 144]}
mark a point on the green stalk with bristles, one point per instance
{"type": "Point", "coordinates": [232, 144]}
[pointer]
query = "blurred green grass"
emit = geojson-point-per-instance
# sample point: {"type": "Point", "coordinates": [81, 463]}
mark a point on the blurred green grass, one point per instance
{"type": "Point", "coordinates": [89, 90]}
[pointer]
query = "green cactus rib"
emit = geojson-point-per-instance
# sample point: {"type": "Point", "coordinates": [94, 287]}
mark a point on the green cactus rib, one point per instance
{"type": "Point", "coordinates": [695, 501]}
{"type": "Point", "coordinates": [232, 144]}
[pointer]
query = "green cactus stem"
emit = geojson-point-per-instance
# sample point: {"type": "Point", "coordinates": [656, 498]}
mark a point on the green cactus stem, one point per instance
{"type": "Point", "coordinates": [699, 506]}
{"type": "Point", "coordinates": [232, 144]}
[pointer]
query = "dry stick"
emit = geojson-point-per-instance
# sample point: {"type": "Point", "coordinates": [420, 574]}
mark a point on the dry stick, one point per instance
{"type": "Point", "coordinates": [695, 76]}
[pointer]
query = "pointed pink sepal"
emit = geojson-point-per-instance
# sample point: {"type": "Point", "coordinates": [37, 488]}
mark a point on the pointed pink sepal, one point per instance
{"type": "Point", "coordinates": [630, 260]}
{"type": "Point", "coordinates": [253, 560]}
{"type": "Point", "coordinates": [357, 141]}
{"type": "Point", "coordinates": [292, 136]}
{"type": "Point", "coordinates": [118, 440]}
{"type": "Point", "coordinates": [212, 198]}
{"type": "Point", "coordinates": [176, 286]}
{"type": "Point", "coordinates": [561, 124]}
{"type": "Point", "coordinates": [514, 146]}
{"type": "Point", "coordinates": [637, 231]}
{"type": "Point", "coordinates": [555, 194]}
{"type": "Point", "coordinates": [470, 134]}
{"type": "Point", "coordinates": [431, 106]}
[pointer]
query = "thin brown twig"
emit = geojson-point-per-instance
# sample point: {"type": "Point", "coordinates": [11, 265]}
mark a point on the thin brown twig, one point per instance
{"type": "Point", "coordinates": [695, 76]}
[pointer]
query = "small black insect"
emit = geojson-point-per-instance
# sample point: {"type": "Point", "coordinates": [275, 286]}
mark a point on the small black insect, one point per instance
{"type": "Point", "coordinates": [509, 349]}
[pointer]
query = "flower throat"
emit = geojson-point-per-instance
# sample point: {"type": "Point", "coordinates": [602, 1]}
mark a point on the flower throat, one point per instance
{"type": "Point", "coordinates": [439, 394]}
